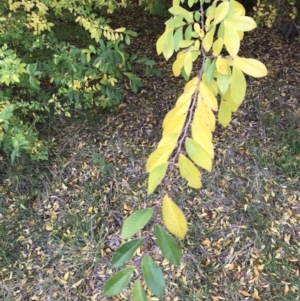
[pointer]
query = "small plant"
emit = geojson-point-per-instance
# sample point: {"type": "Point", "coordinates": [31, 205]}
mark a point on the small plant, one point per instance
{"type": "Point", "coordinates": [55, 76]}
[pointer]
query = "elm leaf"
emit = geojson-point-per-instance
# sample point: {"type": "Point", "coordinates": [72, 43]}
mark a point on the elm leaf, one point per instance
{"type": "Point", "coordinates": [125, 252]}
{"type": "Point", "coordinates": [117, 282]}
{"type": "Point", "coordinates": [136, 222]}
{"type": "Point", "coordinates": [168, 246]}
{"type": "Point", "coordinates": [153, 276]}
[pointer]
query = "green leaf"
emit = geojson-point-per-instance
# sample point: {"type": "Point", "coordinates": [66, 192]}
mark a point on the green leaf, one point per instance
{"type": "Point", "coordinates": [242, 23]}
{"type": "Point", "coordinates": [168, 246]}
{"type": "Point", "coordinates": [208, 39]}
{"type": "Point", "coordinates": [155, 177]}
{"type": "Point", "coordinates": [238, 86]}
{"type": "Point", "coordinates": [178, 36]}
{"type": "Point", "coordinates": [138, 292]}
{"type": "Point", "coordinates": [125, 252]}
{"type": "Point", "coordinates": [175, 22]}
{"type": "Point", "coordinates": [7, 112]}
{"type": "Point", "coordinates": [178, 10]}
{"type": "Point", "coordinates": [185, 43]}
{"type": "Point", "coordinates": [224, 114]}
{"type": "Point", "coordinates": [209, 69]}
{"type": "Point", "coordinates": [153, 276]}
{"type": "Point", "coordinates": [223, 81]}
{"type": "Point", "coordinates": [92, 48]}
{"type": "Point", "coordinates": [31, 68]}
{"type": "Point", "coordinates": [188, 32]}
{"type": "Point", "coordinates": [231, 39]}
{"type": "Point", "coordinates": [169, 45]}
{"type": "Point", "coordinates": [117, 282]}
{"type": "Point", "coordinates": [136, 222]}
{"type": "Point", "coordinates": [131, 33]}
{"type": "Point", "coordinates": [198, 154]}
{"type": "Point", "coordinates": [221, 12]}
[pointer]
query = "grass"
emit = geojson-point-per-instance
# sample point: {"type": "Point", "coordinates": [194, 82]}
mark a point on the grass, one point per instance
{"type": "Point", "coordinates": [60, 226]}
{"type": "Point", "coordinates": [284, 152]}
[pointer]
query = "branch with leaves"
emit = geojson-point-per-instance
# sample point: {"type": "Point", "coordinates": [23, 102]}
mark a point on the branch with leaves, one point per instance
{"type": "Point", "coordinates": [218, 88]}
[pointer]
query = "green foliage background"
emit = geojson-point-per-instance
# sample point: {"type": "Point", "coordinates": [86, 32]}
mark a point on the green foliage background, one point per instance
{"type": "Point", "coordinates": [57, 58]}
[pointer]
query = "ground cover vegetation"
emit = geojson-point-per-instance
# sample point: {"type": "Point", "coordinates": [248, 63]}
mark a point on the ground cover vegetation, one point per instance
{"type": "Point", "coordinates": [65, 228]}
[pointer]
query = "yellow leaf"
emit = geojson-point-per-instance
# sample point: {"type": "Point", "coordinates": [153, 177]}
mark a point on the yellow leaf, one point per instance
{"type": "Point", "coordinates": [217, 46]}
{"type": "Point", "coordinates": [206, 114]}
{"type": "Point", "coordinates": [199, 124]}
{"type": "Point", "coordinates": [242, 23]}
{"type": "Point", "coordinates": [169, 45]}
{"type": "Point", "coordinates": [49, 226]}
{"type": "Point", "coordinates": [189, 172]}
{"type": "Point", "coordinates": [237, 86]}
{"type": "Point", "coordinates": [206, 242]}
{"type": "Point", "coordinates": [203, 139]}
{"type": "Point", "coordinates": [159, 156]}
{"type": "Point", "coordinates": [208, 22]}
{"type": "Point", "coordinates": [244, 293]}
{"type": "Point", "coordinates": [155, 177]}
{"type": "Point", "coordinates": [221, 31]}
{"type": "Point", "coordinates": [221, 12]}
{"type": "Point", "coordinates": [224, 114]}
{"type": "Point", "coordinates": [174, 218]}
{"type": "Point", "coordinates": [255, 294]}
{"type": "Point", "coordinates": [66, 276]}
{"type": "Point", "coordinates": [208, 39]}
{"type": "Point", "coordinates": [287, 238]}
{"type": "Point", "coordinates": [231, 104]}
{"type": "Point", "coordinates": [185, 97]}
{"type": "Point", "coordinates": [286, 289]}
{"type": "Point", "coordinates": [161, 41]}
{"type": "Point", "coordinates": [231, 38]}
{"type": "Point", "coordinates": [238, 8]}
{"type": "Point", "coordinates": [196, 46]}
{"type": "Point", "coordinates": [175, 125]}
{"type": "Point", "coordinates": [165, 43]}
{"type": "Point", "coordinates": [213, 87]}
{"type": "Point", "coordinates": [199, 30]}
{"type": "Point", "coordinates": [188, 64]}
{"type": "Point", "coordinates": [121, 29]}
{"type": "Point", "coordinates": [251, 66]}
{"type": "Point", "coordinates": [222, 65]}
{"type": "Point", "coordinates": [198, 154]}
{"type": "Point", "coordinates": [207, 97]}
{"type": "Point", "coordinates": [169, 140]}
{"type": "Point", "coordinates": [77, 283]}
{"type": "Point", "coordinates": [178, 63]}
{"type": "Point", "coordinates": [22, 237]}
{"type": "Point", "coordinates": [177, 111]}
{"type": "Point", "coordinates": [191, 85]}
{"type": "Point", "coordinates": [241, 35]}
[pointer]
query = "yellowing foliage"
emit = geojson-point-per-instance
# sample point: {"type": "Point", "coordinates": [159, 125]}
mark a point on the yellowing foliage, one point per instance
{"type": "Point", "coordinates": [219, 88]}
{"type": "Point", "coordinates": [173, 218]}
